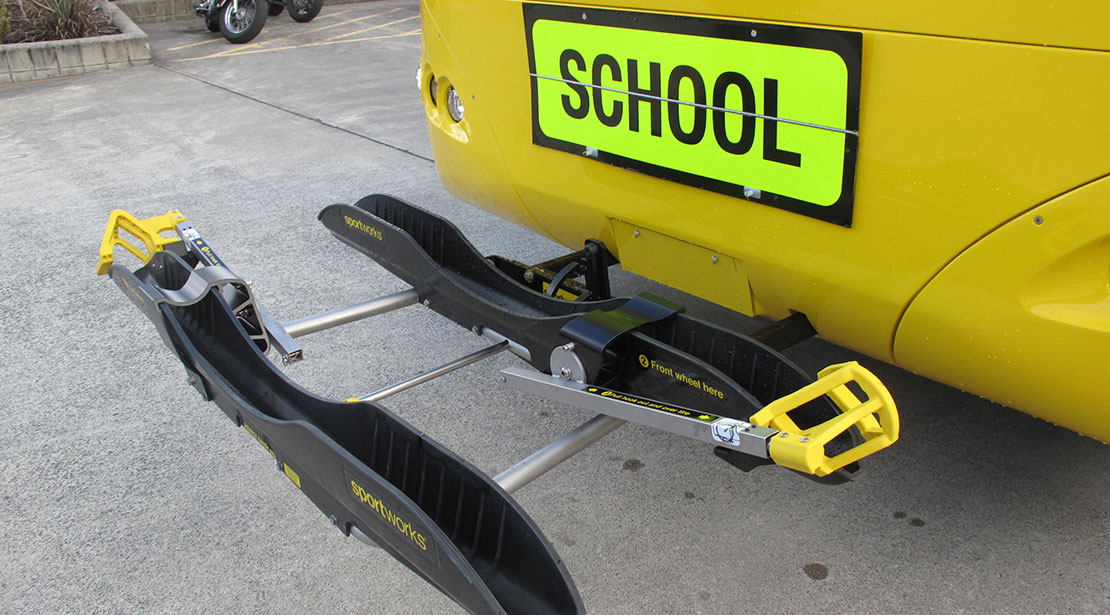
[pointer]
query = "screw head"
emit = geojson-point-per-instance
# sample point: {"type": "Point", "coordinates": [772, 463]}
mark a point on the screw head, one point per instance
{"type": "Point", "coordinates": [804, 439]}
{"type": "Point", "coordinates": [565, 373]}
{"type": "Point", "coordinates": [427, 303]}
{"type": "Point", "coordinates": [714, 259]}
{"type": "Point", "coordinates": [783, 435]}
{"type": "Point", "coordinates": [1038, 220]}
{"type": "Point", "coordinates": [636, 233]}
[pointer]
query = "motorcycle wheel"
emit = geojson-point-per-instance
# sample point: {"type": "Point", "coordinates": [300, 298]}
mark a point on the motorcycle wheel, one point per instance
{"type": "Point", "coordinates": [243, 25]}
{"type": "Point", "coordinates": [276, 8]}
{"type": "Point", "coordinates": [304, 10]}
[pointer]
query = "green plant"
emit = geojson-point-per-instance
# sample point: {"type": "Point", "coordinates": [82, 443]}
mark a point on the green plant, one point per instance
{"type": "Point", "coordinates": [5, 22]}
{"type": "Point", "coordinates": [51, 20]}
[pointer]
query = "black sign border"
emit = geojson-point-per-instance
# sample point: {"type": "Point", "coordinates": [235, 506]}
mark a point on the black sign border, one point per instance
{"type": "Point", "coordinates": [847, 44]}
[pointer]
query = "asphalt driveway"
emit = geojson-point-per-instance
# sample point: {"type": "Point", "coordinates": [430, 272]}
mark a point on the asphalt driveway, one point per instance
{"type": "Point", "coordinates": [123, 492]}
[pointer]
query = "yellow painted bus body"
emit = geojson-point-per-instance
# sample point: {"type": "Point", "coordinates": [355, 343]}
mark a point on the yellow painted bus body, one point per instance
{"type": "Point", "coordinates": [978, 249]}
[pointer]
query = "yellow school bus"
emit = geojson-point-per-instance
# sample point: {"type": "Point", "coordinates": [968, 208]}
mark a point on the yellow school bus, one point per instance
{"type": "Point", "coordinates": [928, 183]}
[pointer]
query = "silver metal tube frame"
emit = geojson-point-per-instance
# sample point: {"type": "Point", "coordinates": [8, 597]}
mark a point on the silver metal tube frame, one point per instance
{"type": "Point", "coordinates": [358, 311]}
{"type": "Point", "coordinates": [570, 444]}
{"type": "Point", "coordinates": [431, 374]}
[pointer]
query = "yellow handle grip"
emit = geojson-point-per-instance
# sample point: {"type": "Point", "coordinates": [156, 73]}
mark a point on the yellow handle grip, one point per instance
{"type": "Point", "coordinates": [804, 449]}
{"type": "Point", "coordinates": [148, 231]}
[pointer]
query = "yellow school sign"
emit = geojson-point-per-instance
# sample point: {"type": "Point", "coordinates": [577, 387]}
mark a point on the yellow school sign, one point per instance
{"type": "Point", "coordinates": [768, 113]}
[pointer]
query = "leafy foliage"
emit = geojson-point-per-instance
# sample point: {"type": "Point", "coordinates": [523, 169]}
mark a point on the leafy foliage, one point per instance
{"type": "Point", "coordinates": [5, 22]}
{"type": "Point", "coordinates": [51, 20]}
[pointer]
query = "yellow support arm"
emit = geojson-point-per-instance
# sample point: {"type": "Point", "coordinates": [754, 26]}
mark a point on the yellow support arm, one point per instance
{"type": "Point", "coordinates": [804, 449]}
{"type": "Point", "coordinates": [148, 231]}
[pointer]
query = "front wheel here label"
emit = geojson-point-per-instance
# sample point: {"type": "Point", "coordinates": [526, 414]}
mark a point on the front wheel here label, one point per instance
{"type": "Point", "coordinates": [764, 112]}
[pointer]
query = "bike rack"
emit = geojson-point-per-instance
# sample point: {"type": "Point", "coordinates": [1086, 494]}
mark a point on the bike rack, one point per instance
{"type": "Point", "coordinates": [387, 484]}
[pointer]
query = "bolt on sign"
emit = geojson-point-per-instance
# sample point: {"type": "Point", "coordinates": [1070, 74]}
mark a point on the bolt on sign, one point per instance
{"type": "Point", "coordinates": [764, 112]}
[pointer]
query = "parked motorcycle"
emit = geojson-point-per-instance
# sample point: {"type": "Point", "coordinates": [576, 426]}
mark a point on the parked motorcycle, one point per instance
{"type": "Point", "coordinates": [241, 20]}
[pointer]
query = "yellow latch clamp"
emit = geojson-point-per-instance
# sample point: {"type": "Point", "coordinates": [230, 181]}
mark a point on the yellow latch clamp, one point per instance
{"type": "Point", "coordinates": [148, 231]}
{"type": "Point", "coordinates": [804, 449]}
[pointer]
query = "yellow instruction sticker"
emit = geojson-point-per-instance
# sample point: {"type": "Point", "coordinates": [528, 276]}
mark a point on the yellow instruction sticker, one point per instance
{"type": "Point", "coordinates": [765, 112]}
{"type": "Point", "coordinates": [293, 476]}
{"type": "Point", "coordinates": [652, 404]}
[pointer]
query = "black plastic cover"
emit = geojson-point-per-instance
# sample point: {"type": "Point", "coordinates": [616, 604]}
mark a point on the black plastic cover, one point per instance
{"type": "Point", "coordinates": [454, 278]}
{"type": "Point", "coordinates": [363, 466]}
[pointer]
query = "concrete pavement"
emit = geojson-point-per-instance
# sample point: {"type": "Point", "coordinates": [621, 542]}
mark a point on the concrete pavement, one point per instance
{"type": "Point", "coordinates": [123, 492]}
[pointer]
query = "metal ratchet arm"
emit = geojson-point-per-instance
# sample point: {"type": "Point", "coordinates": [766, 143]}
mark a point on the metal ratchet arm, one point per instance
{"type": "Point", "coordinates": [769, 433]}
